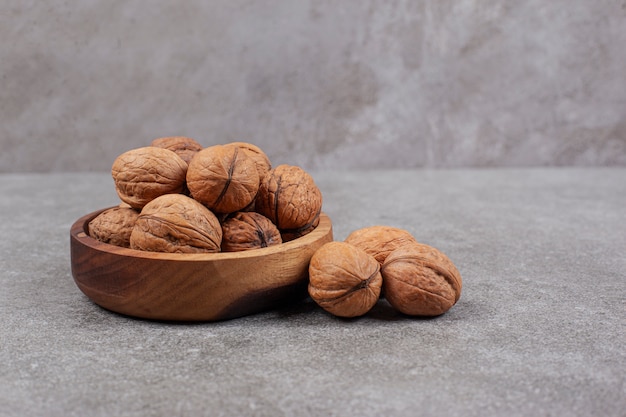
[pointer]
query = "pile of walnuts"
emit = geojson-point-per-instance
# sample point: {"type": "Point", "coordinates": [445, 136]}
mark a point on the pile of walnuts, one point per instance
{"type": "Point", "coordinates": [178, 196]}
{"type": "Point", "coordinates": [347, 278]}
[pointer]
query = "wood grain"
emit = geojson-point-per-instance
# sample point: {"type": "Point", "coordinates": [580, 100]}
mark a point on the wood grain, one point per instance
{"type": "Point", "coordinates": [192, 287]}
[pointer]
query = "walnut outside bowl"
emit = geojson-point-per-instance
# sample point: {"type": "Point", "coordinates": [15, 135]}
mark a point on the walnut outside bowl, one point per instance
{"type": "Point", "coordinates": [192, 287]}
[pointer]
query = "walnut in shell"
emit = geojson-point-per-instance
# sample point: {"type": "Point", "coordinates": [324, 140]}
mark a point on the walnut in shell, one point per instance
{"type": "Point", "coordinates": [184, 147]}
{"type": "Point", "coordinates": [223, 178]}
{"type": "Point", "coordinates": [420, 280]}
{"type": "Point", "coordinates": [262, 162]}
{"type": "Point", "coordinates": [176, 223]}
{"type": "Point", "coordinates": [114, 226]}
{"type": "Point", "coordinates": [379, 241]}
{"type": "Point", "coordinates": [289, 197]}
{"type": "Point", "coordinates": [293, 234]}
{"type": "Point", "coordinates": [248, 230]}
{"type": "Point", "coordinates": [143, 174]}
{"type": "Point", "coordinates": [344, 280]}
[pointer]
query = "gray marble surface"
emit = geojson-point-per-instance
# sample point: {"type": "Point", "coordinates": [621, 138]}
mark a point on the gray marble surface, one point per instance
{"type": "Point", "coordinates": [539, 330]}
{"type": "Point", "coordinates": [355, 84]}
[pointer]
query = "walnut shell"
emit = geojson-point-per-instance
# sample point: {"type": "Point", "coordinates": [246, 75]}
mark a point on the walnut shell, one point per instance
{"type": "Point", "coordinates": [114, 226]}
{"type": "Point", "coordinates": [344, 280]}
{"type": "Point", "coordinates": [248, 230]}
{"type": "Point", "coordinates": [420, 280]}
{"type": "Point", "coordinates": [143, 174]}
{"type": "Point", "coordinates": [223, 178]}
{"type": "Point", "coordinates": [289, 197]}
{"type": "Point", "coordinates": [184, 147]}
{"type": "Point", "coordinates": [379, 241]}
{"type": "Point", "coordinates": [262, 162]}
{"type": "Point", "coordinates": [176, 223]}
{"type": "Point", "coordinates": [292, 234]}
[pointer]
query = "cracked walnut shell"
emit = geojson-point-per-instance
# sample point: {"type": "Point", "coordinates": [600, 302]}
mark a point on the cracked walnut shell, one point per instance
{"type": "Point", "coordinates": [223, 178]}
{"type": "Point", "coordinates": [289, 197]}
{"type": "Point", "coordinates": [114, 226]}
{"type": "Point", "coordinates": [248, 230]}
{"type": "Point", "coordinates": [143, 174]}
{"type": "Point", "coordinates": [176, 223]}
{"type": "Point", "coordinates": [420, 280]}
{"type": "Point", "coordinates": [344, 280]}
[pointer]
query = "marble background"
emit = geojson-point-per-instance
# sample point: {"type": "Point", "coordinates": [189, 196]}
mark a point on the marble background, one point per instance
{"type": "Point", "coordinates": [322, 84]}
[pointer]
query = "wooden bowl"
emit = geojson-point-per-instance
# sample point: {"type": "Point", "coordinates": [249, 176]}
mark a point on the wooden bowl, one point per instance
{"type": "Point", "coordinates": [192, 287]}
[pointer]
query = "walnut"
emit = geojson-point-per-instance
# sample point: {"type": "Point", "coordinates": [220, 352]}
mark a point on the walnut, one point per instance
{"type": "Point", "coordinates": [114, 225]}
{"type": "Point", "coordinates": [420, 280]}
{"type": "Point", "coordinates": [184, 147]}
{"type": "Point", "coordinates": [293, 234]}
{"type": "Point", "coordinates": [262, 162]}
{"type": "Point", "coordinates": [176, 223]}
{"type": "Point", "coordinates": [344, 280]}
{"type": "Point", "coordinates": [223, 178]}
{"type": "Point", "coordinates": [379, 241]}
{"type": "Point", "coordinates": [140, 175]}
{"type": "Point", "coordinates": [289, 197]}
{"type": "Point", "coordinates": [248, 230]}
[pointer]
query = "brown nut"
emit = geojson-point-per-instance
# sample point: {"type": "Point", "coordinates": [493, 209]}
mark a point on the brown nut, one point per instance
{"type": "Point", "coordinates": [248, 230]}
{"type": "Point", "coordinates": [176, 223]}
{"type": "Point", "coordinates": [291, 234]}
{"type": "Point", "coordinates": [184, 147]}
{"type": "Point", "coordinates": [289, 197]}
{"type": "Point", "coordinates": [420, 280]}
{"type": "Point", "coordinates": [379, 241]}
{"type": "Point", "coordinates": [114, 226]}
{"type": "Point", "coordinates": [223, 178]}
{"type": "Point", "coordinates": [262, 162]}
{"type": "Point", "coordinates": [344, 280]}
{"type": "Point", "coordinates": [143, 174]}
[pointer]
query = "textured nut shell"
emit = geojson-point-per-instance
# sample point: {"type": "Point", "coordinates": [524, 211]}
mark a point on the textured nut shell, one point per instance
{"type": "Point", "coordinates": [289, 197]}
{"type": "Point", "coordinates": [379, 241]}
{"type": "Point", "coordinates": [184, 147]}
{"type": "Point", "coordinates": [248, 230]}
{"type": "Point", "coordinates": [344, 280]}
{"type": "Point", "coordinates": [420, 280]}
{"type": "Point", "coordinates": [262, 162]}
{"type": "Point", "coordinates": [114, 226]}
{"type": "Point", "coordinates": [223, 178]}
{"type": "Point", "coordinates": [143, 174]}
{"type": "Point", "coordinates": [292, 234]}
{"type": "Point", "coordinates": [176, 223]}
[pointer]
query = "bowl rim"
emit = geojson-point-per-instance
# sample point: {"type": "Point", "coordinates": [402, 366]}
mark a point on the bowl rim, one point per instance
{"type": "Point", "coordinates": [79, 233]}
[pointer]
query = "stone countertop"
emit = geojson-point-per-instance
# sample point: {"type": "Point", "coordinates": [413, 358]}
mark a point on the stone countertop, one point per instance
{"type": "Point", "coordinates": [540, 328]}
